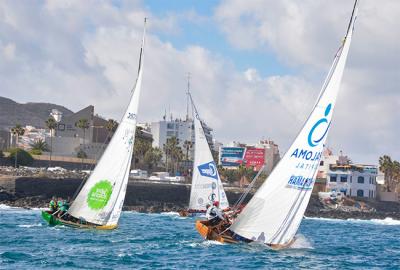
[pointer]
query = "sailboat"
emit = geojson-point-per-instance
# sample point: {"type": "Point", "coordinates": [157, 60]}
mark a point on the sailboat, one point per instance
{"type": "Point", "coordinates": [274, 213]}
{"type": "Point", "coordinates": [206, 183]}
{"type": "Point", "coordinates": [99, 203]}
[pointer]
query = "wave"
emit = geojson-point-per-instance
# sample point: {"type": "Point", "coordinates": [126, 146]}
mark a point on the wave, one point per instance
{"type": "Point", "coordinates": [4, 207]}
{"type": "Point", "coordinates": [301, 242]}
{"type": "Point", "coordinates": [30, 225]}
{"type": "Point", "coordinates": [8, 208]}
{"type": "Point", "coordinates": [169, 213]}
{"type": "Point", "coordinates": [387, 221]}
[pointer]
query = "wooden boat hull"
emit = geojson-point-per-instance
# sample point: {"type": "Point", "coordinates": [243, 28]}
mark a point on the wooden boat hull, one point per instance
{"type": "Point", "coordinates": [208, 233]}
{"type": "Point", "coordinates": [54, 221]}
{"type": "Point", "coordinates": [186, 213]}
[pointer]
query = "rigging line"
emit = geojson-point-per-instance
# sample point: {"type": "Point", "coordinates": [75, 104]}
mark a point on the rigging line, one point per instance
{"type": "Point", "coordinates": [248, 189]}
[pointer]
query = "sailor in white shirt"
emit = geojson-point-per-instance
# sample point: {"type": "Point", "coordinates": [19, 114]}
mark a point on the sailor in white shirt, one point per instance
{"type": "Point", "coordinates": [214, 215]}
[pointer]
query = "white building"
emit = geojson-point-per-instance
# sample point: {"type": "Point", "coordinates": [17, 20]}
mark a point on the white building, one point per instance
{"type": "Point", "coordinates": [352, 180]}
{"type": "Point", "coordinates": [337, 173]}
{"type": "Point", "coordinates": [183, 130]}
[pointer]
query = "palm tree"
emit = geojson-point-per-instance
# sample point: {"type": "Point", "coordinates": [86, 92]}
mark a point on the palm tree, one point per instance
{"type": "Point", "coordinates": [39, 145]}
{"type": "Point", "coordinates": [111, 126]}
{"type": "Point", "coordinates": [153, 157]}
{"type": "Point", "coordinates": [51, 124]}
{"type": "Point", "coordinates": [172, 151]}
{"type": "Point", "coordinates": [83, 124]}
{"type": "Point", "coordinates": [187, 145]}
{"type": "Point", "coordinates": [141, 146]}
{"type": "Point", "coordinates": [17, 131]}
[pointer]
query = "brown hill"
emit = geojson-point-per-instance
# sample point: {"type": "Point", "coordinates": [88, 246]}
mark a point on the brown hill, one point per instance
{"type": "Point", "coordinates": [34, 114]}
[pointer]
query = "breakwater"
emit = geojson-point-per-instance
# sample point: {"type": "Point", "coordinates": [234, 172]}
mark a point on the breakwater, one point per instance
{"type": "Point", "coordinates": [145, 196]}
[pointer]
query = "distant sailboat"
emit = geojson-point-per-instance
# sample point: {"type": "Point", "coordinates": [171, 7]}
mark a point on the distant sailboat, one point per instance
{"type": "Point", "coordinates": [274, 214]}
{"type": "Point", "coordinates": [206, 183]}
{"type": "Point", "coordinates": [99, 202]}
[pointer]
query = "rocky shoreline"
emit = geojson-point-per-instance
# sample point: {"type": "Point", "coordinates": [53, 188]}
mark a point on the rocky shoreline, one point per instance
{"type": "Point", "coordinates": [148, 197]}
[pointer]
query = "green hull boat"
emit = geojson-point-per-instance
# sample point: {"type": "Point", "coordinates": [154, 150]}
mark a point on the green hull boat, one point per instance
{"type": "Point", "coordinates": [54, 221]}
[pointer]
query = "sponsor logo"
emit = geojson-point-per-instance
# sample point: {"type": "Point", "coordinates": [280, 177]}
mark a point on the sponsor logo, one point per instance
{"type": "Point", "coordinates": [319, 126]}
{"type": "Point", "coordinates": [131, 116]}
{"type": "Point", "coordinates": [99, 195]}
{"type": "Point", "coordinates": [209, 170]}
{"type": "Point", "coordinates": [300, 182]}
{"type": "Point", "coordinates": [306, 154]}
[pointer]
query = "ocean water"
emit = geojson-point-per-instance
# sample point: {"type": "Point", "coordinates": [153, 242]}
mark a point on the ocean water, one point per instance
{"type": "Point", "coordinates": [167, 241]}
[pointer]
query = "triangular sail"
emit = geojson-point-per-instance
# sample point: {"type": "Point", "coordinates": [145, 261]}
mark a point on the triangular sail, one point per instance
{"type": "Point", "coordinates": [274, 214]}
{"type": "Point", "coordinates": [206, 183]}
{"type": "Point", "coordinates": [101, 199]}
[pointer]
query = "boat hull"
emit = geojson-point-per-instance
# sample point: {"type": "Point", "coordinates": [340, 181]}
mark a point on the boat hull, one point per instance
{"type": "Point", "coordinates": [54, 221]}
{"type": "Point", "coordinates": [210, 234]}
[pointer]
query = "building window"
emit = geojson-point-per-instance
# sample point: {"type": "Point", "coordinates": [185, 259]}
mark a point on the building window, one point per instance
{"type": "Point", "coordinates": [170, 133]}
{"type": "Point", "coordinates": [321, 163]}
{"type": "Point", "coordinates": [170, 126]}
{"type": "Point", "coordinates": [61, 127]}
{"type": "Point", "coordinates": [333, 178]}
{"type": "Point", "coordinates": [360, 180]}
{"type": "Point", "coordinates": [351, 178]}
{"type": "Point", "coordinates": [343, 179]}
{"type": "Point", "coordinates": [360, 193]}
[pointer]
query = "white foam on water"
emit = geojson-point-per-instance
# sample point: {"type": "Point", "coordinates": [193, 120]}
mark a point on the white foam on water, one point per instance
{"type": "Point", "coordinates": [301, 242]}
{"type": "Point", "coordinates": [205, 243]}
{"type": "Point", "coordinates": [387, 221]}
{"type": "Point", "coordinates": [170, 213]}
{"type": "Point", "coordinates": [30, 225]}
{"type": "Point", "coordinates": [7, 207]}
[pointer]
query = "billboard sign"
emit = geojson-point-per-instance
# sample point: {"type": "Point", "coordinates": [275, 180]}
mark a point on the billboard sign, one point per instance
{"type": "Point", "coordinates": [254, 157]}
{"type": "Point", "coordinates": [231, 156]}
{"type": "Point", "coordinates": [236, 156]}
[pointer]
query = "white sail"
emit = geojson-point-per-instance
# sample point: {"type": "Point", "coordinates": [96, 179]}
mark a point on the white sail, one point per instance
{"type": "Point", "coordinates": [206, 183]}
{"type": "Point", "coordinates": [101, 199]}
{"type": "Point", "coordinates": [274, 214]}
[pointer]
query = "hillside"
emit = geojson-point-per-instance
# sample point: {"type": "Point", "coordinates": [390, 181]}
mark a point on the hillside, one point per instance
{"type": "Point", "coordinates": [35, 114]}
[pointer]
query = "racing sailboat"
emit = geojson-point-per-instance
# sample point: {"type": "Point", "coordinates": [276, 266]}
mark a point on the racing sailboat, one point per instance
{"type": "Point", "coordinates": [206, 183]}
{"type": "Point", "coordinates": [274, 214]}
{"type": "Point", "coordinates": [99, 203]}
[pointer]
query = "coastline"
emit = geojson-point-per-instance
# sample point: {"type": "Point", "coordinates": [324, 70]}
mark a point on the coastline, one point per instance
{"type": "Point", "coordinates": [151, 197]}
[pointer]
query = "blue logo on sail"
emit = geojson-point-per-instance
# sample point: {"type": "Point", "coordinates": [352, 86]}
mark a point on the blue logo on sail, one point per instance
{"type": "Point", "coordinates": [312, 141]}
{"type": "Point", "coordinates": [208, 170]}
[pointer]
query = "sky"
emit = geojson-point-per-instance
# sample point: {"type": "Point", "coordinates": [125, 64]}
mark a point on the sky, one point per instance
{"type": "Point", "coordinates": [256, 66]}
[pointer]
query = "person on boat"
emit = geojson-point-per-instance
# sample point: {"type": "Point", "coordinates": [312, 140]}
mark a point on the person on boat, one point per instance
{"type": "Point", "coordinates": [53, 205]}
{"type": "Point", "coordinates": [60, 204]}
{"type": "Point", "coordinates": [214, 215]}
{"type": "Point", "coordinates": [63, 208]}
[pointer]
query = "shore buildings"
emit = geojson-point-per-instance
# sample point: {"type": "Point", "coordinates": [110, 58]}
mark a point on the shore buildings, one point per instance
{"type": "Point", "coordinates": [338, 173]}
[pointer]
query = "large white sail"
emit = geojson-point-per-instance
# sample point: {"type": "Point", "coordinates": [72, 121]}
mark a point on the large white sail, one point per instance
{"type": "Point", "coordinates": [206, 183]}
{"type": "Point", "coordinates": [274, 214]}
{"type": "Point", "coordinates": [101, 199]}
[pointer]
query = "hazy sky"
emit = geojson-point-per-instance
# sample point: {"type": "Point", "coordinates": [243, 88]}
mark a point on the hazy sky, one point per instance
{"type": "Point", "coordinates": [257, 65]}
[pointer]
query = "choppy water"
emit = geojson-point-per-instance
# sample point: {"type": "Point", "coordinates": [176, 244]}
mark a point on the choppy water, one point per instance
{"type": "Point", "coordinates": [166, 241]}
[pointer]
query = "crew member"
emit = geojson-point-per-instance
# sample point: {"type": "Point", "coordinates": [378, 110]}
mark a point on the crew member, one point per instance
{"type": "Point", "coordinates": [53, 205]}
{"type": "Point", "coordinates": [214, 214]}
{"type": "Point", "coordinates": [63, 208]}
